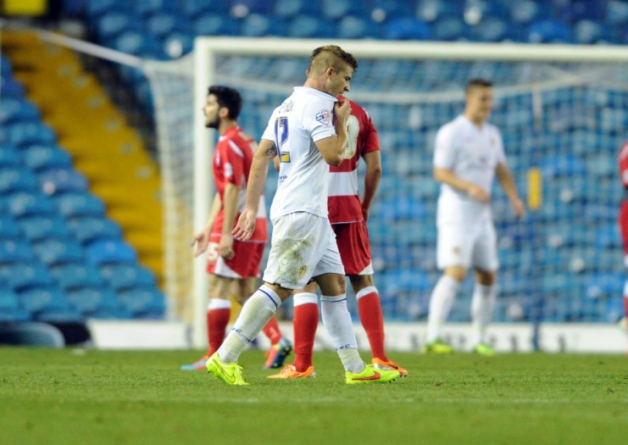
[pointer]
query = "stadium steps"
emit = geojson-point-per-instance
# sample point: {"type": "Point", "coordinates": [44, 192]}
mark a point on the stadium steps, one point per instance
{"type": "Point", "coordinates": [104, 148]}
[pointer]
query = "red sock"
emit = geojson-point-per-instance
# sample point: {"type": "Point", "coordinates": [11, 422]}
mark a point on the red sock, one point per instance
{"type": "Point", "coordinates": [217, 320]}
{"type": "Point", "coordinates": [626, 305]}
{"type": "Point", "coordinates": [272, 331]}
{"type": "Point", "coordinates": [305, 325]}
{"type": "Point", "coordinates": [370, 310]}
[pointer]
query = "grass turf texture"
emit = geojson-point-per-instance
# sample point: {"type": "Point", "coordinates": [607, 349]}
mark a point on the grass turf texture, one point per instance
{"type": "Point", "coordinates": [71, 397]}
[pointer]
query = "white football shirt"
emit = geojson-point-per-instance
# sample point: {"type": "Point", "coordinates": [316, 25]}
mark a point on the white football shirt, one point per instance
{"type": "Point", "coordinates": [471, 153]}
{"type": "Point", "coordinates": [302, 119]}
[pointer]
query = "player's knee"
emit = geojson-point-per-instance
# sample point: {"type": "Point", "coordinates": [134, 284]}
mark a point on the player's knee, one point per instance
{"type": "Point", "coordinates": [359, 282]}
{"type": "Point", "coordinates": [458, 273]}
{"type": "Point", "coordinates": [485, 277]}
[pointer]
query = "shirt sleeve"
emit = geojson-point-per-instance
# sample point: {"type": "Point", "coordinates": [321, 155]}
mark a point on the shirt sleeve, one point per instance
{"type": "Point", "coordinates": [269, 133]}
{"type": "Point", "coordinates": [444, 151]}
{"type": "Point", "coordinates": [371, 139]}
{"type": "Point", "coordinates": [501, 155]}
{"type": "Point", "coordinates": [318, 119]}
{"type": "Point", "coordinates": [234, 163]}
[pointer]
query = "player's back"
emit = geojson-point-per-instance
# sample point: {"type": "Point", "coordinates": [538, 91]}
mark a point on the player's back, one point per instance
{"type": "Point", "coordinates": [301, 120]}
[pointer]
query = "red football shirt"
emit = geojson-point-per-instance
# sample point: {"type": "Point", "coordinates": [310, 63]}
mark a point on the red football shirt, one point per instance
{"type": "Point", "coordinates": [623, 164]}
{"type": "Point", "coordinates": [232, 163]}
{"type": "Point", "coordinates": [344, 200]}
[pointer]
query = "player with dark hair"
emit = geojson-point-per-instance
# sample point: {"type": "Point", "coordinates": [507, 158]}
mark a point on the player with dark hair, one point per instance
{"type": "Point", "coordinates": [469, 153]}
{"type": "Point", "coordinates": [233, 265]}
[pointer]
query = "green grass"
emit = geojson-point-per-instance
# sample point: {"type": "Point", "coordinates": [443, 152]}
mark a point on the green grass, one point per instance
{"type": "Point", "coordinates": [95, 397]}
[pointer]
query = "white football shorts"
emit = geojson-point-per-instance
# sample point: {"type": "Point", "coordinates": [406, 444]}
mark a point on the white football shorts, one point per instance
{"type": "Point", "coordinates": [303, 246]}
{"type": "Point", "coordinates": [469, 245]}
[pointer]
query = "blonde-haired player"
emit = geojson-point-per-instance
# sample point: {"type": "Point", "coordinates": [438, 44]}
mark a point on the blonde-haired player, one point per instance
{"type": "Point", "coordinates": [308, 133]}
{"type": "Point", "coordinates": [469, 153]}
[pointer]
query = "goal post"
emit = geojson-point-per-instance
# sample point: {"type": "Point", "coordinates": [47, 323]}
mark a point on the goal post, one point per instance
{"type": "Point", "coordinates": [551, 71]}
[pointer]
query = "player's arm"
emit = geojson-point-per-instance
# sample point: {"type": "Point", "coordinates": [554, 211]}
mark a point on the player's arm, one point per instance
{"type": "Point", "coordinates": [202, 238]}
{"type": "Point", "coordinates": [266, 151]}
{"type": "Point", "coordinates": [372, 176]}
{"type": "Point", "coordinates": [333, 148]}
{"type": "Point", "coordinates": [231, 197]}
{"type": "Point", "coordinates": [446, 176]}
{"type": "Point", "coordinates": [507, 184]}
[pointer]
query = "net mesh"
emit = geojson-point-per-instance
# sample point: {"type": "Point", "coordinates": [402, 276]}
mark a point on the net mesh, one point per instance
{"type": "Point", "coordinates": [562, 263]}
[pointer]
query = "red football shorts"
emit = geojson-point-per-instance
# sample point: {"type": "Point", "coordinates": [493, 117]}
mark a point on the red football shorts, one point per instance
{"type": "Point", "coordinates": [245, 263]}
{"type": "Point", "coordinates": [354, 247]}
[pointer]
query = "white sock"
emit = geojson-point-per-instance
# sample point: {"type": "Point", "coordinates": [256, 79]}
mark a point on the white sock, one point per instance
{"type": "Point", "coordinates": [338, 322]}
{"type": "Point", "coordinates": [218, 303]}
{"type": "Point", "coordinates": [482, 310]}
{"type": "Point", "coordinates": [254, 315]}
{"type": "Point", "coordinates": [304, 298]}
{"type": "Point", "coordinates": [440, 304]}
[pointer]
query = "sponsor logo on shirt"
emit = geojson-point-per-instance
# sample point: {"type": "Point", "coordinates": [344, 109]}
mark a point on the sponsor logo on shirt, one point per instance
{"type": "Point", "coordinates": [302, 271]}
{"type": "Point", "coordinates": [324, 117]}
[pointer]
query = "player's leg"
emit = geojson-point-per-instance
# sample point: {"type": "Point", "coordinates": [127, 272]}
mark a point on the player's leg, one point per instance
{"type": "Point", "coordinates": [305, 323]}
{"type": "Point", "coordinates": [453, 256]}
{"type": "Point", "coordinates": [329, 274]}
{"type": "Point", "coordinates": [486, 263]}
{"type": "Point", "coordinates": [293, 240]}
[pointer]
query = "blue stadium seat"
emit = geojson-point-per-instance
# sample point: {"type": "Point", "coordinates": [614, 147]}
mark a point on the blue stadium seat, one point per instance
{"type": "Point", "coordinates": [576, 10]}
{"type": "Point", "coordinates": [337, 9]}
{"type": "Point", "coordinates": [257, 25]}
{"type": "Point", "coordinates": [309, 27]}
{"type": "Point", "coordinates": [16, 110]}
{"type": "Point", "coordinates": [22, 276]}
{"type": "Point", "coordinates": [242, 8]}
{"type": "Point", "coordinates": [606, 285]}
{"type": "Point", "coordinates": [73, 276]}
{"type": "Point", "coordinates": [214, 24]}
{"type": "Point", "coordinates": [562, 165]}
{"type": "Point", "coordinates": [89, 229]}
{"type": "Point", "coordinates": [139, 43]}
{"type": "Point", "coordinates": [39, 299]}
{"type": "Point", "coordinates": [149, 7]}
{"type": "Point", "coordinates": [96, 8]}
{"type": "Point", "coordinates": [9, 87]}
{"type": "Point", "coordinates": [608, 236]}
{"type": "Point", "coordinates": [494, 29]}
{"type": "Point", "coordinates": [432, 10]}
{"type": "Point", "coordinates": [526, 11]}
{"type": "Point", "coordinates": [549, 31]}
{"type": "Point", "coordinates": [43, 157]}
{"type": "Point", "coordinates": [72, 205]}
{"type": "Point", "coordinates": [57, 251]}
{"type": "Point", "coordinates": [195, 8]}
{"type": "Point", "coordinates": [450, 28]}
{"type": "Point", "coordinates": [178, 44]}
{"type": "Point", "coordinates": [60, 180]}
{"type": "Point", "coordinates": [110, 251]}
{"type": "Point", "coordinates": [112, 24]}
{"type": "Point", "coordinates": [403, 208]}
{"type": "Point", "coordinates": [126, 276]}
{"type": "Point", "coordinates": [163, 24]}
{"type": "Point", "coordinates": [29, 204]}
{"type": "Point", "coordinates": [352, 27]}
{"type": "Point", "coordinates": [9, 157]}
{"type": "Point", "coordinates": [588, 32]}
{"type": "Point", "coordinates": [94, 300]}
{"type": "Point", "coordinates": [148, 303]}
{"type": "Point", "coordinates": [28, 133]}
{"type": "Point", "coordinates": [15, 251]}
{"type": "Point", "coordinates": [40, 227]}
{"type": "Point", "coordinates": [617, 12]}
{"type": "Point", "coordinates": [9, 307]}
{"type": "Point", "coordinates": [9, 228]}
{"type": "Point", "coordinates": [407, 28]}
{"type": "Point", "coordinates": [17, 179]}
{"type": "Point", "coordinates": [385, 10]}
{"type": "Point", "coordinates": [291, 8]}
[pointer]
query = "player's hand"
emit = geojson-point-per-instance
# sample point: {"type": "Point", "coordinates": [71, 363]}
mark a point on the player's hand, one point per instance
{"type": "Point", "coordinates": [225, 247]}
{"type": "Point", "coordinates": [477, 192]}
{"type": "Point", "coordinates": [366, 213]}
{"type": "Point", "coordinates": [518, 207]}
{"type": "Point", "coordinates": [246, 225]}
{"type": "Point", "coordinates": [342, 111]}
{"type": "Point", "coordinates": [202, 240]}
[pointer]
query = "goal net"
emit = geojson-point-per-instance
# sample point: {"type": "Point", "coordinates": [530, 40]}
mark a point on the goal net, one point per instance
{"type": "Point", "coordinates": [562, 114]}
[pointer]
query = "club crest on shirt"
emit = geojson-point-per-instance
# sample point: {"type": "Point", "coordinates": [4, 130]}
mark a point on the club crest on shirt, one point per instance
{"type": "Point", "coordinates": [324, 117]}
{"type": "Point", "coordinates": [456, 250]}
{"type": "Point", "coordinates": [302, 271]}
{"type": "Point", "coordinates": [492, 141]}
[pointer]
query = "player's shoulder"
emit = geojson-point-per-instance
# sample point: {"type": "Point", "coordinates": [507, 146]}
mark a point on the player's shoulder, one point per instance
{"type": "Point", "coordinates": [623, 151]}
{"type": "Point", "coordinates": [492, 128]}
{"type": "Point", "coordinates": [452, 128]}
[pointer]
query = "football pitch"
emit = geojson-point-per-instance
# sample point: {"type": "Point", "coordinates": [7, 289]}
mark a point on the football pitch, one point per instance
{"type": "Point", "coordinates": [96, 397]}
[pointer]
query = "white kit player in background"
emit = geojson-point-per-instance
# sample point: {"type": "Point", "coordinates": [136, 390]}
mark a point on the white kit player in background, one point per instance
{"type": "Point", "coordinates": [308, 133]}
{"type": "Point", "coordinates": [468, 154]}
